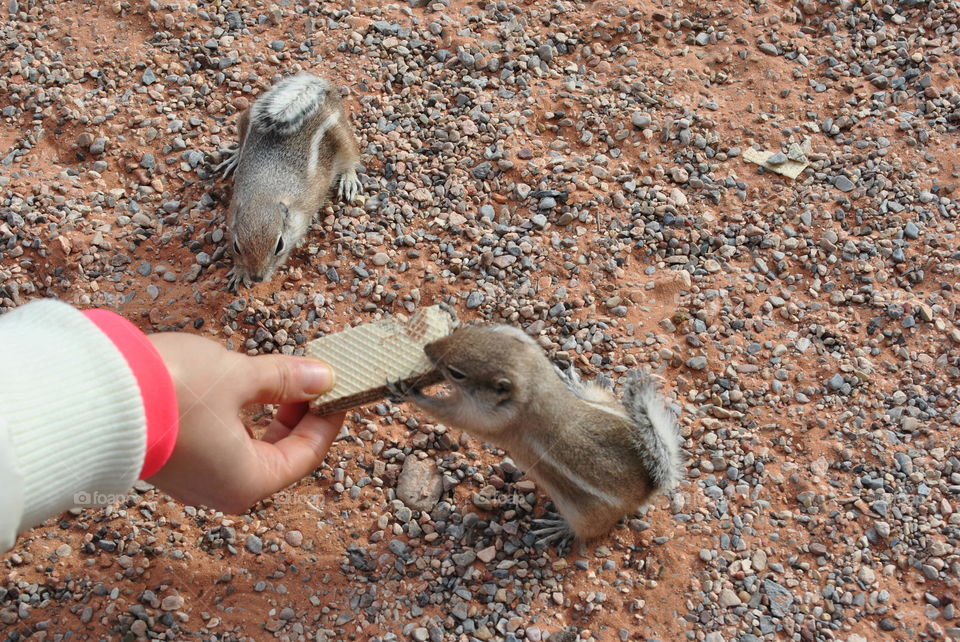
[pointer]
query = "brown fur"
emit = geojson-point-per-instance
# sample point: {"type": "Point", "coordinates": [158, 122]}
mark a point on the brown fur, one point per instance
{"type": "Point", "coordinates": [584, 456]}
{"type": "Point", "coordinates": [276, 195]}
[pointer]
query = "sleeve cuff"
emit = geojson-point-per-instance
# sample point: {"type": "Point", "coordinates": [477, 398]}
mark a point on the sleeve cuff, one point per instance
{"type": "Point", "coordinates": [156, 387]}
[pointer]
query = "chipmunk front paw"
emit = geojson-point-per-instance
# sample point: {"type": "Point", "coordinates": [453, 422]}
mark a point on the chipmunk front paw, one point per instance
{"type": "Point", "coordinates": [401, 391]}
{"type": "Point", "coordinates": [235, 278]}
{"type": "Point", "coordinates": [230, 159]}
{"type": "Point", "coordinates": [349, 187]}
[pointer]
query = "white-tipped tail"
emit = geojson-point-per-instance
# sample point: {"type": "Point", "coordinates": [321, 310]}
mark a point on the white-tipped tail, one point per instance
{"type": "Point", "coordinates": [657, 434]}
{"type": "Point", "coordinates": [286, 106]}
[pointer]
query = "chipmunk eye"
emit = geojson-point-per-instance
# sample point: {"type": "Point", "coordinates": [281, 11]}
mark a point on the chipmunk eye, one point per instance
{"type": "Point", "coordinates": [236, 247]}
{"type": "Point", "coordinates": [279, 245]}
{"type": "Point", "coordinates": [455, 374]}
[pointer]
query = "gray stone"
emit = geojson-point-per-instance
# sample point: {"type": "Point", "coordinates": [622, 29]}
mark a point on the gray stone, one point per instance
{"type": "Point", "coordinates": [781, 599]}
{"type": "Point", "coordinates": [728, 599]}
{"type": "Point", "coordinates": [172, 603]}
{"type": "Point", "coordinates": [420, 484]}
{"type": "Point", "coordinates": [253, 544]}
{"type": "Point", "coordinates": [843, 183]}
{"type": "Point", "coordinates": [836, 382]}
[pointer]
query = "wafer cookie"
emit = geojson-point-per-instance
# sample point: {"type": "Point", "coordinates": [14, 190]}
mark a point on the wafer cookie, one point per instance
{"type": "Point", "coordinates": [364, 358]}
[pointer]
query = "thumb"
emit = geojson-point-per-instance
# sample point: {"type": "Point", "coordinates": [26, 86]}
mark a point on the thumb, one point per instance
{"type": "Point", "coordinates": [275, 378]}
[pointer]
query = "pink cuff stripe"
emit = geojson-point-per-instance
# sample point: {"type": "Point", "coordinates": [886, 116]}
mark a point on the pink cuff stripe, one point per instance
{"type": "Point", "coordinates": [156, 386]}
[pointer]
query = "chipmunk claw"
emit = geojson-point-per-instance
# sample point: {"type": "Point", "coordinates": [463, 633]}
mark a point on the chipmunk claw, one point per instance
{"type": "Point", "coordinates": [399, 391]}
{"type": "Point", "coordinates": [349, 187]}
{"type": "Point", "coordinates": [554, 529]}
{"type": "Point", "coordinates": [230, 159]}
{"type": "Point", "coordinates": [236, 278]}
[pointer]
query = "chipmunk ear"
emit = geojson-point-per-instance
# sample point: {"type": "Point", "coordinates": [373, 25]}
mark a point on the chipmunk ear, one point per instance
{"type": "Point", "coordinates": [503, 387]}
{"type": "Point", "coordinates": [284, 210]}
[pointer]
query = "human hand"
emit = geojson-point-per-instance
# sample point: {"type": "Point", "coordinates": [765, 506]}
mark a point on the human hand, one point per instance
{"type": "Point", "coordinates": [216, 462]}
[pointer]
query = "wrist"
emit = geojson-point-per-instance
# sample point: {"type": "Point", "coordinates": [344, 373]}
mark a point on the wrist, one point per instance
{"type": "Point", "coordinates": [157, 391]}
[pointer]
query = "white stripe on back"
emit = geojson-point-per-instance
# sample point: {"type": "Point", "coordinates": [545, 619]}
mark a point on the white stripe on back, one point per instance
{"type": "Point", "coordinates": [318, 135]}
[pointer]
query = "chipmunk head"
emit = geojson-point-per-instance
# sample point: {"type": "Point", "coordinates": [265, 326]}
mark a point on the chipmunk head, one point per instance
{"type": "Point", "coordinates": [488, 370]}
{"type": "Point", "coordinates": [262, 233]}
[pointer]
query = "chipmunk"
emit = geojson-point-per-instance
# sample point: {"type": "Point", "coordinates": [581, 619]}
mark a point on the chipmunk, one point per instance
{"type": "Point", "coordinates": [295, 141]}
{"type": "Point", "coordinates": [597, 458]}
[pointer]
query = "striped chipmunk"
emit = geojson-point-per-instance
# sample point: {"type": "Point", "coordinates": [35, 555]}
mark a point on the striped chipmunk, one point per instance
{"type": "Point", "coordinates": [598, 458]}
{"type": "Point", "coordinates": [295, 144]}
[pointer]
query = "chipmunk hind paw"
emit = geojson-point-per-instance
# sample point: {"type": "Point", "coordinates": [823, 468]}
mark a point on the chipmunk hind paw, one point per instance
{"type": "Point", "coordinates": [554, 529]}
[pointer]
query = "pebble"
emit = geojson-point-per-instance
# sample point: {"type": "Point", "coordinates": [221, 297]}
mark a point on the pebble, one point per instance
{"type": "Point", "coordinates": [172, 603]}
{"type": "Point", "coordinates": [728, 599]}
{"type": "Point", "coordinates": [843, 183]}
{"type": "Point", "coordinates": [419, 485]}
{"type": "Point", "coordinates": [253, 544]}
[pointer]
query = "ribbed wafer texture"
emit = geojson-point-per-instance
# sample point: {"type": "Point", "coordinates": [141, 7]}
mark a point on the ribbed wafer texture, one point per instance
{"type": "Point", "coordinates": [364, 358]}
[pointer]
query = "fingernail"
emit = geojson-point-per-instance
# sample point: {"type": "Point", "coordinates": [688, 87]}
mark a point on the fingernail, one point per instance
{"type": "Point", "coordinates": [317, 377]}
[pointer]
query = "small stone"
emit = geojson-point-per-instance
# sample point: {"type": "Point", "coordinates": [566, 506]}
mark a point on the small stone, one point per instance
{"type": "Point", "coordinates": [253, 544]}
{"type": "Point", "coordinates": [843, 183]}
{"type": "Point", "coordinates": [781, 599]}
{"type": "Point", "coordinates": [697, 363]}
{"type": "Point", "coordinates": [836, 382]}
{"type": "Point", "coordinates": [293, 538]}
{"type": "Point", "coordinates": [768, 48]}
{"type": "Point", "coordinates": [487, 555]}
{"type": "Point", "coordinates": [728, 599]}
{"type": "Point", "coordinates": [640, 120]}
{"type": "Point", "coordinates": [148, 77]}
{"type": "Point", "coordinates": [482, 170]}
{"type": "Point", "coordinates": [234, 20]}
{"type": "Point", "coordinates": [777, 159]}
{"type": "Point", "coordinates": [380, 259]}
{"type": "Point", "coordinates": [420, 634]}
{"type": "Point", "coordinates": [420, 484]}
{"type": "Point", "coordinates": [172, 603]}
{"type": "Point", "coordinates": [911, 231]}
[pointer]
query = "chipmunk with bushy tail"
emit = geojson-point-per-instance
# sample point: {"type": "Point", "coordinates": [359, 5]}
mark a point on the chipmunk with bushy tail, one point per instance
{"type": "Point", "coordinates": [295, 143]}
{"type": "Point", "coordinates": [598, 458]}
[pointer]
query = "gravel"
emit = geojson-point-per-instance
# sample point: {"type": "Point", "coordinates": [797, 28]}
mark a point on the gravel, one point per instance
{"type": "Point", "coordinates": [571, 170]}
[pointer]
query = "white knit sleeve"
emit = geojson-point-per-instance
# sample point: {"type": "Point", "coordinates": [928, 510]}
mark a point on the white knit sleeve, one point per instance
{"type": "Point", "coordinates": [72, 424]}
